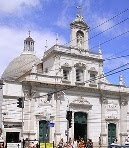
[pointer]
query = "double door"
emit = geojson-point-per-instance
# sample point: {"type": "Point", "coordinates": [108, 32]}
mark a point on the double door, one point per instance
{"type": "Point", "coordinates": [80, 125]}
{"type": "Point", "coordinates": [44, 130]}
{"type": "Point", "coordinates": [111, 133]}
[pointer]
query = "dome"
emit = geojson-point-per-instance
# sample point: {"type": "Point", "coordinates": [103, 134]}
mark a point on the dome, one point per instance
{"type": "Point", "coordinates": [19, 66]}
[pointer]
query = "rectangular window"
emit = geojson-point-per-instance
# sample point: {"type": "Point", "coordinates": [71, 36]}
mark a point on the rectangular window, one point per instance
{"type": "Point", "coordinates": [65, 74]}
{"type": "Point", "coordinates": [46, 70]}
{"type": "Point", "coordinates": [12, 137]}
{"type": "Point", "coordinates": [92, 78]}
{"type": "Point", "coordinates": [79, 75]}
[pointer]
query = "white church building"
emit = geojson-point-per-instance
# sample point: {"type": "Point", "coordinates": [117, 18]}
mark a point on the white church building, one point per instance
{"type": "Point", "coordinates": [66, 78]}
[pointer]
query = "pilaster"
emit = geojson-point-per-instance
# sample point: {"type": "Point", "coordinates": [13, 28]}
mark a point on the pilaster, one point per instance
{"type": "Point", "coordinates": [57, 133]}
{"type": "Point", "coordinates": [103, 135]}
{"type": "Point", "coordinates": [123, 120]}
{"type": "Point", "coordinates": [29, 116]}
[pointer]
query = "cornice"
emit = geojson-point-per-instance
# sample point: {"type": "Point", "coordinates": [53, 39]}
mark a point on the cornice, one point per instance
{"type": "Point", "coordinates": [11, 97]}
{"type": "Point", "coordinates": [53, 52]}
{"type": "Point", "coordinates": [78, 56]}
{"type": "Point", "coordinates": [81, 88]}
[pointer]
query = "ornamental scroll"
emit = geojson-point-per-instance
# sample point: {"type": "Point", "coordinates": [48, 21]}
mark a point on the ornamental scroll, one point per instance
{"type": "Point", "coordinates": [123, 102]}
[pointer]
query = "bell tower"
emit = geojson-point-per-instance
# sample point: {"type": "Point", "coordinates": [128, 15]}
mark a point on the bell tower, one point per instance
{"type": "Point", "coordinates": [79, 33]}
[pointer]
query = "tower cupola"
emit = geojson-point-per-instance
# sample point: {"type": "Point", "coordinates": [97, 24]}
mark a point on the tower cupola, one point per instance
{"type": "Point", "coordinates": [29, 44]}
{"type": "Point", "coordinates": [79, 33]}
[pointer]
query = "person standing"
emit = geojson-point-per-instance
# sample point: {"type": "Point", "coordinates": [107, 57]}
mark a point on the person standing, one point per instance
{"type": "Point", "coordinates": [89, 144]}
{"type": "Point", "coordinates": [75, 145]}
{"type": "Point", "coordinates": [81, 143]}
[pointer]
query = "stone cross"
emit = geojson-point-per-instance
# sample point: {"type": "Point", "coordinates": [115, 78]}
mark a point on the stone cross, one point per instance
{"type": "Point", "coordinates": [57, 38]}
{"type": "Point", "coordinates": [46, 46]}
{"type": "Point", "coordinates": [79, 8]}
{"type": "Point", "coordinates": [29, 32]}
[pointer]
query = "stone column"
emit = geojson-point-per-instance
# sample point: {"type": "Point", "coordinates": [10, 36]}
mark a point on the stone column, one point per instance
{"type": "Point", "coordinates": [103, 135]}
{"type": "Point", "coordinates": [123, 120]}
{"type": "Point", "coordinates": [57, 134]}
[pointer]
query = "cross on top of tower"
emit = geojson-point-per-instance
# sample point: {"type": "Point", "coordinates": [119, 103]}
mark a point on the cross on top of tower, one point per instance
{"type": "Point", "coordinates": [29, 32]}
{"type": "Point", "coordinates": [79, 8]}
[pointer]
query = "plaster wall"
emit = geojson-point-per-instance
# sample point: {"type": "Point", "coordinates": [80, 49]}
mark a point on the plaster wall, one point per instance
{"type": "Point", "coordinates": [12, 89]}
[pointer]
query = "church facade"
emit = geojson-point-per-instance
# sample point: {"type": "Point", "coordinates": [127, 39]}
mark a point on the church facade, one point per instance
{"type": "Point", "coordinates": [66, 79]}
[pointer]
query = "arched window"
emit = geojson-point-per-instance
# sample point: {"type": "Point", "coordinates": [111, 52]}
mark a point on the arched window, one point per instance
{"type": "Point", "coordinates": [80, 39]}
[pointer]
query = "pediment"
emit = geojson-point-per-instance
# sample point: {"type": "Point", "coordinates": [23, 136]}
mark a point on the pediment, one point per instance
{"type": "Point", "coordinates": [80, 65]}
{"type": "Point", "coordinates": [81, 102]}
{"type": "Point", "coordinates": [93, 69]}
{"type": "Point", "coordinates": [66, 65]}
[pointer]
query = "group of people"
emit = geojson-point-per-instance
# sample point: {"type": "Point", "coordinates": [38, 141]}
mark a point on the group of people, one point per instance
{"type": "Point", "coordinates": [75, 144]}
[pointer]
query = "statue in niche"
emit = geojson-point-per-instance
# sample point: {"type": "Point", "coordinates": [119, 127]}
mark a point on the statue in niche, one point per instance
{"type": "Point", "coordinates": [80, 37]}
{"type": "Point", "coordinates": [34, 68]}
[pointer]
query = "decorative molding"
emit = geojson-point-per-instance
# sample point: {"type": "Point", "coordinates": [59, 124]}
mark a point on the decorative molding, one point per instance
{"type": "Point", "coordinates": [112, 106]}
{"type": "Point", "coordinates": [104, 100]}
{"type": "Point", "coordinates": [123, 134]}
{"type": "Point", "coordinates": [93, 70]}
{"type": "Point", "coordinates": [33, 93]}
{"type": "Point", "coordinates": [34, 68]}
{"type": "Point", "coordinates": [55, 134]}
{"type": "Point", "coordinates": [66, 66]}
{"type": "Point", "coordinates": [79, 83]}
{"type": "Point", "coordinates": [80, 65]}
{"type": "Point", "coordinates": [26, 93]}
{"type": "Point", "coordinates": [66, 81]}
{"type": "Point", "coordinates": [82, 103]}
{"type": "Point", "coordinates": [103, 134]}
{"type": "Point", "coordinates": [112, 119]}
{"type": "Point", "coordinates": [123, 102]}
{"type": "Point", "coordinates": [44, 115]}
{"type": "Point", "coordinates": [92, 84]}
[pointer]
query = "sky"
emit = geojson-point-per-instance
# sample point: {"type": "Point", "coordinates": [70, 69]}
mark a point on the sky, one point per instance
{"type": "Point", "coordinates": [46, 18]}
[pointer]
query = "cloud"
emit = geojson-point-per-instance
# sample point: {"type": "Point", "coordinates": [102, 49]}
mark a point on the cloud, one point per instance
{"type": "Point", "coordinates": [11, 43]}
{"type": "Point", "coordinates": [104, 26]}
{"type": "Point", "coordinates": [64, 18]}
{"type": "Point", "coordinates": [112, 64]}
{"type": "Point", "coordinates": [17, 5]}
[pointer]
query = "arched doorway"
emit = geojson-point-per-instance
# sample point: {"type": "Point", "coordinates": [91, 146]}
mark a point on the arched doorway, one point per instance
{"type": "Point", "coordinates": [44, 130]}
{"type": "Point", "coordinates": [80, 125]}
{"type": "Point", "coordinates": [111, 133]}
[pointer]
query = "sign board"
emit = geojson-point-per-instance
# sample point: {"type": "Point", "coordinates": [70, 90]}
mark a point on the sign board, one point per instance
{"type": "Point", "coordinates": [42, 145]}
{"type": "Point", "coordinates": [13, 145]}
{"type": "Point", "coordinates": [48, 145]}
{"type": "Point", "coordinates": [51, 124]}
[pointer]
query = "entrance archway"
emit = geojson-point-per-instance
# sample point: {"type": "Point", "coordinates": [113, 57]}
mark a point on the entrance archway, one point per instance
{"type": "Point", "coordinates": [44, 130]}
{"type": "Point", "coordinates": [111, 133]}
{"type": "Point", "coordinates": [80, 125]}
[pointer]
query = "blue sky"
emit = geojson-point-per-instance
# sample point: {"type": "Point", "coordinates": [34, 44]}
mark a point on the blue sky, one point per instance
{"type": "Point", "coordinates": [45, 18]}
